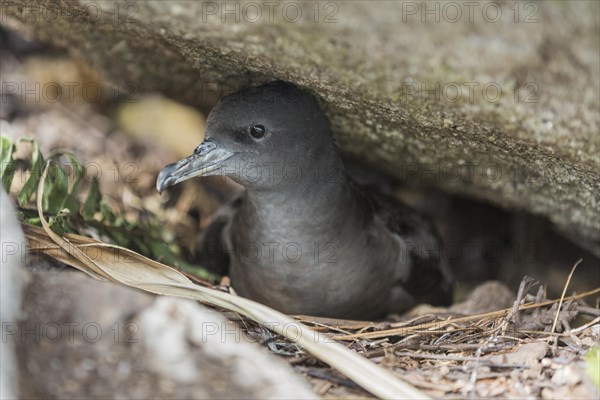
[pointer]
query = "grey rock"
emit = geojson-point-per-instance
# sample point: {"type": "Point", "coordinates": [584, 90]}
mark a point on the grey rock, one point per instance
{"type": "Point", "coordinates": [522, 134]}
{"type": "Point", "coordinates": [82, 338]}
{"type": "Point", "coordinates": [13, 278]}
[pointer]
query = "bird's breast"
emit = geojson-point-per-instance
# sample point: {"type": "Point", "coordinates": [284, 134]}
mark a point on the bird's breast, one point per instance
{"type": "Point", "coordinates": [335, 275]}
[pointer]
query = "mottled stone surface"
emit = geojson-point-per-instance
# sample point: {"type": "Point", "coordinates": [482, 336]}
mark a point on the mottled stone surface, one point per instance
{"type": "Point", "coordinates": [81, 338]}
{"type": "Point", "coordinates": [13, 279]}
{"type": "Point", "coordinates": [495, 101]}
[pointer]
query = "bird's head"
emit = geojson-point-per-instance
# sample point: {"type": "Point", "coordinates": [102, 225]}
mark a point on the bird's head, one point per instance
{"type": "Point", "coordinates": [260, 137]}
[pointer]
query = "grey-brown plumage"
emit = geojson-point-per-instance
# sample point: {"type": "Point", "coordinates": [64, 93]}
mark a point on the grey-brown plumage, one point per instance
{"type": "Point", "coordinates": [304, 238]}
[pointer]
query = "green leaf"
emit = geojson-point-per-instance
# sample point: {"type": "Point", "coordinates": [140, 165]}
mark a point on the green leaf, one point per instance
{"type": "Point", "coordinates": [71, 203]}
{"type": "Point", "coordinates": [37, 165]}
{"type": "Point", "coordinates": [57, 225]}
{"type": "Point", "coordinates": [108, 215]}
{"type": "Point", "coordinates": [141, 245]}
{"type": "Point", "coordinates": [33, 221]}
{"type": "Point", "coordinates": [121, 238]}
{"type": "Point", "coordinates": [75, 173]}
{"type": "Point", "coordinates": [92, 203]}
{"type": "Point", "coordinates": [7, 165]}
{"type": "Point", "coordinates": [75, 169]}
{"type": "Point", "coordinates": [56, 188]}
{"type": "Point", "coordinates": [29, 217]}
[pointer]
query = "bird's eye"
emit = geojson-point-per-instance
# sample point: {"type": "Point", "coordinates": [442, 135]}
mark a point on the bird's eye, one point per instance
{"type": "Point", "coordinates": [258, 131]}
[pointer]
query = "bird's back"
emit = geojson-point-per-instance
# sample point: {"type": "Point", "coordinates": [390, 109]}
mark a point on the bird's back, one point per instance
{"type": "Point", "coordinates": [429, 279]}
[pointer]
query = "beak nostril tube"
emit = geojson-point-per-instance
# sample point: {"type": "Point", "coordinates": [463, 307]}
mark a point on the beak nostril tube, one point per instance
{"type": "Point", "coordinates": [205, 160]}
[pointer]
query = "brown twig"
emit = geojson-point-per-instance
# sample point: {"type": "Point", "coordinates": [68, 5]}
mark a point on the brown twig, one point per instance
{"type": "Point", "coordinates": [562, 296]}
{"type": "Point", "coordinates": [438, 324]}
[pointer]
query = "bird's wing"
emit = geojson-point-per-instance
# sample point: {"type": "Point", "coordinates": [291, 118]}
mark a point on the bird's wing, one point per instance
{"type": "Point", "coordinates": [430, 279]}
{"type": "Point", "coordinates": [211, 246]}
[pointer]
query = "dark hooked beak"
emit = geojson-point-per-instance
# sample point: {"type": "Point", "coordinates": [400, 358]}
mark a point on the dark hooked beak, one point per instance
{"type": "Point", "coordinates": [207, 159]}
